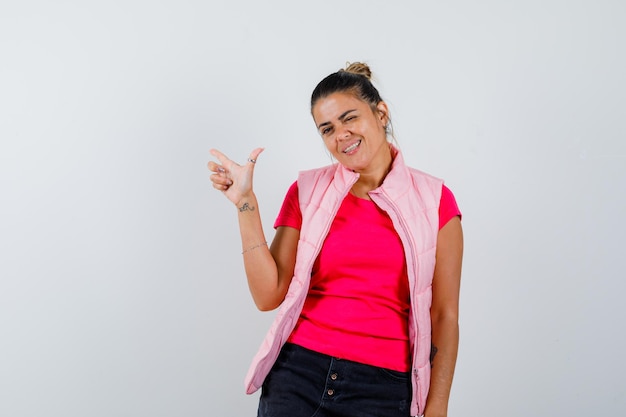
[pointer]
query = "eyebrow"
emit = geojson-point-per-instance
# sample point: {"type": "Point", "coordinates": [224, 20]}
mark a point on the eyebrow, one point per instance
{"type": "Point", "coordinates": [341, 117]}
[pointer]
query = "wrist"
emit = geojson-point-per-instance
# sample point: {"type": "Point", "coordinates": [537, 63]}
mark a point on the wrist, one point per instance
{"type": "Point", "coordinates": [435, 410]}
{"type": "Point", "coordinates": [251, 248]}
{"type": "Point", "coordinates": [246, 203]}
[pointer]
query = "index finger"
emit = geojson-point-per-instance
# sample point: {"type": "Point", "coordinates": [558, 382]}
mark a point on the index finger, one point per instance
{"type": "Point", "coordinates": [220, 156]}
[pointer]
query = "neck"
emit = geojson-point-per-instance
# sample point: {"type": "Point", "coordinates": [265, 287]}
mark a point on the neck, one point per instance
{"type": "Point", "coordinates": [373, 178]}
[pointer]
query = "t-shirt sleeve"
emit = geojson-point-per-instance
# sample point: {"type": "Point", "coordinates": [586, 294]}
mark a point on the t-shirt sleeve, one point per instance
{"type": "Point", "coordinates": [448, 209]}
{"type": "Point", "coordinates": [290, 214]}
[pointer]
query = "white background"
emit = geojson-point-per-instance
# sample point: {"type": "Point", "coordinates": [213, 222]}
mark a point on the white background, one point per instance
{"type": "Point", "coordinates": [122, 290]}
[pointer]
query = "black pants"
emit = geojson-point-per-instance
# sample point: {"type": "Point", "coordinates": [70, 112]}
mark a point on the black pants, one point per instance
{"type": "Point", "coordinates": [304, 383]}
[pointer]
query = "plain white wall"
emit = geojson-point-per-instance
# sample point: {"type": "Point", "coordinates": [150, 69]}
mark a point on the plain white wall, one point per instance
{"type": "Point", "coordinates": [122, 291]}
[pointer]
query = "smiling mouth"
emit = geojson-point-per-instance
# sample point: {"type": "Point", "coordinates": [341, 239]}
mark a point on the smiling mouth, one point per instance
{"type": "Point", "coordinates": [352, 147]}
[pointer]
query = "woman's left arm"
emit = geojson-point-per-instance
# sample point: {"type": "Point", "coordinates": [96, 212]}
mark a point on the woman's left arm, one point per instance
{"type": "Point", "coordinates": [444, 314]}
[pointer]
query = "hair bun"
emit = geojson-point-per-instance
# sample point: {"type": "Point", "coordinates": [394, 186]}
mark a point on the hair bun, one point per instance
{"type": "Point", "coordinates": [358, 68]}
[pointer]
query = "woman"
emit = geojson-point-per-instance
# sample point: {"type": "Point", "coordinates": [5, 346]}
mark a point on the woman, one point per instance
{"type": "Point", "coordinates": [365, 266]}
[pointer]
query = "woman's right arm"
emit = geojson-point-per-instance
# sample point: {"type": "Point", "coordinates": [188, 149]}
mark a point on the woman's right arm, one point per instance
{"type": "Point", "coordinates": [269, 269]}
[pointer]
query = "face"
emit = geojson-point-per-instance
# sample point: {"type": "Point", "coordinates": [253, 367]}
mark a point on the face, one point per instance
{"type": "Point", "coordinates": [353, 133]}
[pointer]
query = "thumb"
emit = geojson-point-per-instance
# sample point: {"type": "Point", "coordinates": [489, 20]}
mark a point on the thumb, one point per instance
{"type": "Point", "coordinates": [254, 155]}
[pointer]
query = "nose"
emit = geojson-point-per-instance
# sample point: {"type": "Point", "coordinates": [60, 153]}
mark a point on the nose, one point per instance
{"type": "Point", "coordinates": [343, 134]}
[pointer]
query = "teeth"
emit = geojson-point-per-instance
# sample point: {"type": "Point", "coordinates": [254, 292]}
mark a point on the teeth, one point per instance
{"type": "Point", "coordinates": [352, 147]}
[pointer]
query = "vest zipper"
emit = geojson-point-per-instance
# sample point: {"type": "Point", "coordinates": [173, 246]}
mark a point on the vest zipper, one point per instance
{"type": "Point", "coordinates": [409, 239]}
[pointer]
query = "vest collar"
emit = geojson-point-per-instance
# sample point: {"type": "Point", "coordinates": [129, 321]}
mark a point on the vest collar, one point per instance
{"type": "Point", "coordinates": [395, 184]}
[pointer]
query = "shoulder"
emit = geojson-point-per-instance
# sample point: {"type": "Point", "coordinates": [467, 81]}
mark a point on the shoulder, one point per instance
{"type": "Point", "coordinates": [419, 177]}
{"type": "Point", "coordinates": [317, 172]}
{"type": "Point", "coordinates": [424, 176]}
{"type": "Point", "coordinates": [312, 178]}
{"type": "Point", "coordinates": [428, 187]}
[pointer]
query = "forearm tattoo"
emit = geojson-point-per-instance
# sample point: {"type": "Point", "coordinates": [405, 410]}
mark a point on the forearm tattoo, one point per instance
{"type": "Point", "coordinates": [246, 207]}
{"type": "Point", "coordinates": [433, 352]}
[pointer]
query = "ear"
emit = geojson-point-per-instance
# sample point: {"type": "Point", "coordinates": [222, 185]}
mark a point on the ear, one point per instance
{"type": "Point", "coordinates": [383, 112]}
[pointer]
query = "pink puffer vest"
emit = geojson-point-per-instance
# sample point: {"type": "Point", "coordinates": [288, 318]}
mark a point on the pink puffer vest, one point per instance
{"type": "Point", "coordinates": [411, 198]}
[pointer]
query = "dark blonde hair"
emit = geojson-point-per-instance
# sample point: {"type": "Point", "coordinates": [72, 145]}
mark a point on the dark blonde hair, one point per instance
{"type": "Point", "coordinates": [355, 79]}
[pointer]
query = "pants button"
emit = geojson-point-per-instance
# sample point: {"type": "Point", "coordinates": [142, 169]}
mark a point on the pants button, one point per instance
{"type": "Point", "coordinates": [333, 377]}
{"type": "Point", "coordinates": [331, 392]}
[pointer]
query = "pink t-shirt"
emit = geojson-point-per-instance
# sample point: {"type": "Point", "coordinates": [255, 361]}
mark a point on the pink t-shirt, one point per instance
{"type": "Point", "coordinates": [357, 307]}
